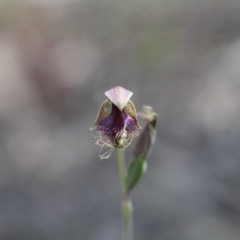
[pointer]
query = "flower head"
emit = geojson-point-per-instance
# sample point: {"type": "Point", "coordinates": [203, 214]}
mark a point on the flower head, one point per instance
{"type": "Point", "coordinates": [116, 124]}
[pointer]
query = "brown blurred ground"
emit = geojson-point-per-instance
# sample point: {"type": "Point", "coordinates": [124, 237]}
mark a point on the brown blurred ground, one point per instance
{"type": "Point", "coordinates": [56, 62]}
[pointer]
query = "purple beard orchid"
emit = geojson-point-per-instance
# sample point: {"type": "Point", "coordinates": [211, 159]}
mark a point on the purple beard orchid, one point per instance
{"type": "Point", "coordinates": [116, 124]}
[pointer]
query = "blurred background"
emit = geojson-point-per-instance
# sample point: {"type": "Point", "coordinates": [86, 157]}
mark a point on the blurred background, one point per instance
{"type": "Point", "coordinates": [57, 58]}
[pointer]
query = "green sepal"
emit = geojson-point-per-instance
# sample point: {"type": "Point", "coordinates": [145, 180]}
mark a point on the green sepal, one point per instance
{"type": "Point", "coordinates": [136, 170]}
{"type": "Point", "coordinates": [104, 111]}
{"type": "Point", "coordinates": [131, 111]}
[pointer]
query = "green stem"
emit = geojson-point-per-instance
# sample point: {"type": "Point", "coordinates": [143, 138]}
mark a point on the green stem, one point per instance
{"type": "Point", "coordinates": [122, 169]}
{"type": "Point", "coordinates": [127, 209]}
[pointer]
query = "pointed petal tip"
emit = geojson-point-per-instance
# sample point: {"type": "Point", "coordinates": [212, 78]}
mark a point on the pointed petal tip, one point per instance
{"type": "Point", "coordinates": [93, 126]}
{"type": "Point", "coordinates": [138, 126]}
{"type": "Point", "coordinates": [119, 96]}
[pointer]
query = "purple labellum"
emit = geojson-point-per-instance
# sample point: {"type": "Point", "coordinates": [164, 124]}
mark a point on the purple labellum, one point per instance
{"type": "Point", "coordinates": [116, 124]}
{"type": "Point", "coordinates": [119, 128]}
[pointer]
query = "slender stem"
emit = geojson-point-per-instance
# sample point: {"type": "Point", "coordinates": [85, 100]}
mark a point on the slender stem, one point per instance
{"type": "Point", "coordinates": [127, 209]}
{"type": "Point", "coordinates": [122, 169]}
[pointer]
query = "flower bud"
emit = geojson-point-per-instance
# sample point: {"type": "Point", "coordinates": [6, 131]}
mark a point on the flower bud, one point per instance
{"type": "Point", "coordinates": [142, 149]}
{"type": "Point", "coordinates": [147, 137]}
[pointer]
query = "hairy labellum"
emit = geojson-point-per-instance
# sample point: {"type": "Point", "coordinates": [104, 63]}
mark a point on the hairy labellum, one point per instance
{"type": "Point", "coordinates": [116, 124]}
